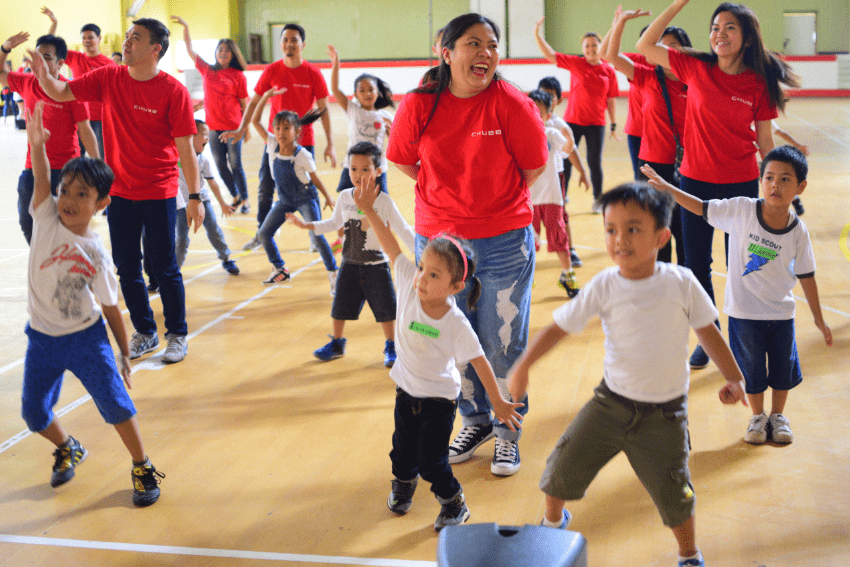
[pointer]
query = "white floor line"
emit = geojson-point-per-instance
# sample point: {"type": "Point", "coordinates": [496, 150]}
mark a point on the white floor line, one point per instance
{"type": "Point", "coordinates": [206, 552]}
{"type": "Point", "coordinates": [819, 129]}
{"type": "Point", "coordinates": [18, 255]}
{"type": "Point", "coordinates": [155, 361]}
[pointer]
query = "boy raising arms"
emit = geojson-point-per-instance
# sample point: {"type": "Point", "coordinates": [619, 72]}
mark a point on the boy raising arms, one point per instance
{"type": "Point", "coordinates": [640, 407]}
{"type": "Point", "coordinates": [769, 250]}
{"type": "Point", "coordinates": [69, 270]}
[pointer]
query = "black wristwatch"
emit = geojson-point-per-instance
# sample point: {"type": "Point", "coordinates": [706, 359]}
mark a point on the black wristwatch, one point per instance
{"type": "Point", "coordinates": [4, 50]}
{"type": "Point", "coordinates": [613, 126]}
{"type": "Point", "coordinates": [194, 196]}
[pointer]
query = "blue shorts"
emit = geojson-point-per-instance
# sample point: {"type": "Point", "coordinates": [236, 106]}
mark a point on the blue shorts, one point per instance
{"type": "Point", "coordinates": [754, 341]}
{"type": "Point", "coordinates": [89, 356]}
{"type": "Point", "coordinates": [357, 283]}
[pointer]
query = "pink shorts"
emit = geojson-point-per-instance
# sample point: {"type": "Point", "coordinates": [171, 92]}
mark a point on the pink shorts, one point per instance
{"type": "Point", "coordinates": [553, 222]}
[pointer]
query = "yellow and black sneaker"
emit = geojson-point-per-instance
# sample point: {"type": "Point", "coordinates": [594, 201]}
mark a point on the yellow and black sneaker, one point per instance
{"type": "Point", "coordinates": [569, 283]}
{"type": "Point", "coordinates": [146, 484]}
{"type": "Point", "coordinates": [67, 457]}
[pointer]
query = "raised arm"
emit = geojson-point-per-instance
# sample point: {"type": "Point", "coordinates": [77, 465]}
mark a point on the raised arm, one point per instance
{"type": "Point", "coordinates": [54, 23]}
{"type": "Point", "coordinates": [718, 349]}
{"type": "Point", "coordinates": [620, 62]}
{"type": "Point", "coordinates": [365, 200]}
{"type": "Point", "coordinates": [257, 112]}
{"type": "Point", "coordinates": [340, 97]}
{"type": "Point", "coordinates": [656, 53]}
{"type": "Point", "coordinates": [186, 38]}
{"type": "Point", "coordinates": [546, 49]}
{"type": "Point", "coordinates": [9, 45]}
{"type": "Point", "coordinates": [685, 200]}
{"type": "Point", "coordinates": [37, 137]}
{"type": "Point", "coordinates": [60, 91]}
{"type": "Point", "coordinates": [810, 289]}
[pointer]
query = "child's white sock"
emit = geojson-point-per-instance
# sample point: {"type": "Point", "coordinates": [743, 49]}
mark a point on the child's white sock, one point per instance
{"type": "Point", "coordinates": [556, 524]}
{"type": "Point", "coordinates": [697, 556]}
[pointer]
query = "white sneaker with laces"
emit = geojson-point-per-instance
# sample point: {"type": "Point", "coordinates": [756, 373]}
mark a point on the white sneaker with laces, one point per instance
{"type": "Point", "coordinates": [140, 344]}
{"type": "Point", "coordinates": [757, 430]}
{"type": "Point", "coordinates": [177, 348]}
{"type": "Point", "coordinates": [253, 243]}
{"type": "Point", "coordinates": [506, 458]}
{"type": "Point", "coordinates": [780, 429]}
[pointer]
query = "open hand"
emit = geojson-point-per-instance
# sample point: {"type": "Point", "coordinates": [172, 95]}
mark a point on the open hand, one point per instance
{"type": "Point", "coordinates": [47, 12]}
{"type": "Point", "coordinates": [16, 40]}
{"type": "Point", "coordinates": [37, 135]}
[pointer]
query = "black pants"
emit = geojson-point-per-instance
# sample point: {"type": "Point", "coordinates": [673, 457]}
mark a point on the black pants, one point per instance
{"type": "Point", "coordinates": [595, 141]}
{"type": "Point", "coordinates": [423, 429]}
{"type": "Point", "coordinates": [666, 170]}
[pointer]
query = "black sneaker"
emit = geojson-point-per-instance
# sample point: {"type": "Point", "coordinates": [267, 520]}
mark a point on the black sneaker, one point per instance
{"type": "Point", "coordinates": [146, 484]}
{"type": "Point", "coordinates": [505, 458]}
{"type": "Point", "coordinates": [468, 440]}
{"type": "Point", "coordinates": [453, 513]}
{"type": "Point", "coordinates": [401, 497]}
{"type": "Point", "coordinates": [67, 458]}
{"type": "Point", "coordinates": [699, 358]}
{"type": "Point", "coordinates": [230, 267]}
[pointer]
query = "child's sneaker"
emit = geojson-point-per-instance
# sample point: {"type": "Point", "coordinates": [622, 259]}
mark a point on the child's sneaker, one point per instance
{"type": "Point", "coordinates": [253, 243]}
{"type": "Point", "coordinates": [757, 430]}
{"type": "Point", "coordinates": [332, 280]}
{"type": "Point", "coordinates": [453, 513]}
{"type": "Point", "coordinates": [401, 497]}
{"type": "Point", "coordinates": [140, 344]}
{"type": "Point", "coordinates": [780, 429]}
{"type": "Point", "coordinates": [146, 484]}
{"type": "Point", "coordinates": [336, 246]}
{"type": "Point", "coordinates": [67, 458]}
{"type": "Point", "coordinates": [565, 521]}
{"type": "Point", "coordinates": [230, 267]}
{"type": "Point", "coordinates": [332, 350]}
{"type": "Point", "coordinates": [505, 458]}
{"type": "Point", "coordinates": [575, 261]}
{"type": "Point", "coordinates": [278, 275]}
{"type": "Point", "coordinates": [246, 208]}
{"type": "Point", "coordinates": [696, 561]}
{"type": "Point", "coordinates": [569, 283]}
{"type": "Point", "coordinates": [468, 439]}
{"type": "Point", "coordinates": [177, 348]}
{"type": "Point", "coordinates": [699, 359]}
{"type": "Point", "coordinates": [389, 353]}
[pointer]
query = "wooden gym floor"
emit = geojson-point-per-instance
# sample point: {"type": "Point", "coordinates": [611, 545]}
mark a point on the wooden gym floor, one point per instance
{"type": "Point", "coordinates": [273, 457]}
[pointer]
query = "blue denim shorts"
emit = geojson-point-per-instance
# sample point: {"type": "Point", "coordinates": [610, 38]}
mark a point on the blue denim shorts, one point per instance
{"type": "Point", "coordinates": [766, 351]}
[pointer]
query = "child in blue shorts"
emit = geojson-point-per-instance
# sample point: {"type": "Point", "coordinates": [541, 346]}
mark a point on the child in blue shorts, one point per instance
{"type": "Point", "coordinates": [769, 250]}
{"type": "Point", "coordinates": [69, 271]}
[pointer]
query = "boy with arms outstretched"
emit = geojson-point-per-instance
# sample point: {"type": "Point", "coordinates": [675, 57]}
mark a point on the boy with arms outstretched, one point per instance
{"type": "Point", "coordinates": [640, 407]}
{"type": "Point", "coordinates": [769, 250]}
{"type": "Point", "coordinates": [69, 269]}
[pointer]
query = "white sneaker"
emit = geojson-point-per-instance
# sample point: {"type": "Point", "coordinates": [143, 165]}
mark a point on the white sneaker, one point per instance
{"type": "Point", "coordinates": [780, 429]}
{"type": "Point", "coordinates": [252, 244]}
{"type": "Point", "coordinates": [506, 458]}
{"type": "Point", "coordinates": [757, 430]}
{"type": "Point", "coordinates": [176, 349]}
{"type": "Point", "coordinates": [140, 344]}
{"type": "Point", "coordinates": [332, 279]}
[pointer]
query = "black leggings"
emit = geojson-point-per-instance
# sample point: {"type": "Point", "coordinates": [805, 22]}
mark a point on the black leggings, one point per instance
{"type": "Point", "coordinates": [595, 141]}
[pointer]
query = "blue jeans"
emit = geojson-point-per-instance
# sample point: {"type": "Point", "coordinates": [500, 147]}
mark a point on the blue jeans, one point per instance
{"type": "Point", "coordinates": [228, 161]}
{"type": "Point", "coordinates": [698, 234]}
{"type": "Point", "coordinates": [505, 267]}
{"type": "Point", "coordinates": [214, 234]}
{"type": "Point", "coordinates": [309, 209]}
{"type": "Point", "coordinates": [265, 195]}
{"type": "Point", "coordinates": [26, 186]}
{"type": "Point", "coordinates": [157, 216]}
{"type": "Point", "coordinates": [97, 127]}
{"type": "Point", "coordinates": [752, 342]}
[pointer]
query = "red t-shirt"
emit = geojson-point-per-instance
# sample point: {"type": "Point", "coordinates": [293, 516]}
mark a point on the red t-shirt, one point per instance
{"type": "Point", "coordinates": [60, 118]}
{"type": "Point", "coordinates": [80, 64]}
{"type": "Point", "coordinates": [222, 92]}
{"type": "Point", "coordinates": [304, 86]}
{"type": "Point", "coordinates": [590, 88]}
{"type": "Point", "coordinates": [141, 119]}
{"type": "Point", "coordinates": [634, 119]}
{"type": "Point", "coordinates": [720, 146]}
{"type": "Point", "coordinates": [658, 144]}
{"type": "Point", "coordinates": [472, 155]}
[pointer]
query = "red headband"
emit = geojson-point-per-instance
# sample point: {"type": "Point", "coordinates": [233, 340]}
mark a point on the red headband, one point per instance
{"type": "Point", "coordinates": [459, 248]}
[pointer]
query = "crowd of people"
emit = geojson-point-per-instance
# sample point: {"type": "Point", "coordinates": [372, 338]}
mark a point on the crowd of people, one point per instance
{"type": "Point", "coordinates": [456, 320]}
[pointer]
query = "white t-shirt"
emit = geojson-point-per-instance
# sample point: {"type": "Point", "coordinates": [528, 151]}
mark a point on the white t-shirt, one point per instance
{"type": "Point", "coordinates": [204, 172]}
{"type": "Point", "coordinates": [646, 328]}
{"type": "Point", "coordinates": [366, 126]}
{"type": "Point", "coordinates": [764, 264]}
{"type": "Point", "coordinates": [68, 274]}
{"type": "Point", "coordinates": [558, 122]}
{"type": "Point", "coordinates": [429, 350]}
{"type": "Point", "coordinates": [547, 188]}
{"type": "Point", "coordinates": [361, 246]}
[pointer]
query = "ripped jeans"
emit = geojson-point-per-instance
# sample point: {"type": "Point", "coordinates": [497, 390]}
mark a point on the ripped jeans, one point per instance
{"type": "Point", "coordinates": [505, 266]}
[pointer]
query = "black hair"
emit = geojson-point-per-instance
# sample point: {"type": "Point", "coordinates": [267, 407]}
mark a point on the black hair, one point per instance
{"type": "Point", "coordinates": [92, 28]}
{"type": "Point", "coordinates": [199, 123]}
{"type": "Point", "coordinates": [551, 84]}
{"type": "Point", "coordinates": [158, 32]}
{"type": "Point", "coordinates": [447, 248]}
{"type": "Point", "coordinates": [790, 155]}
{"type": "Point", "coordinates": [591, 34]}
{"type": "Point", "coordinates": [367, 149]}
{"type": "Point", "coordinates": [443, 76]}
{"type": "Point", "coordinates": [118, 53]}
{"type": "Point", "coordinates": [92, 172]}
{"type": "Point", "coordinates": [236, 62]}
{"type": "Point", "coordinates": [297, 28]}
{"type": "Point", "coordinates": [385, 94]}
{"type": "Point", "coordinates": [680, 35]}
{"type": "Point", "coordinates": [657, 203]}
{"type": "Point", "coordinates": [643, 30]}
{"type": "Point", "coordinates": [542, 97]}
{"type": "Point", "coordinates": [57, 42]}
{"type": "Point", "coordinates": [298, 121]}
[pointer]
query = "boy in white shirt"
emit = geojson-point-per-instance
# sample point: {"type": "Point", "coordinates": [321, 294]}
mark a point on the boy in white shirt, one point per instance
{"type": "Point", "coordinates": [640, 407]}
{"type": "Point", "coordinates": [69, 270]}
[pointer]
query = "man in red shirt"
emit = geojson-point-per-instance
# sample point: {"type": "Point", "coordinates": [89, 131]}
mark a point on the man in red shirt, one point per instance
{"type": "Point", "coordinates": [83, 62]}
{"type": "Point", "coordinates": [304, 86]}
{"type": "Point", "coordinates": [147, 125]}
{"type": "Point", "coordinates": [63, 120]}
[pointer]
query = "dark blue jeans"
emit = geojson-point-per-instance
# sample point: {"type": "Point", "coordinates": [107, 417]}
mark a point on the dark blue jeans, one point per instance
{"type": "Point", "coordinates": [26, 186]}
{"type": "Point", "coordinates": [634, 150]}
{"type": "Point", "coordinates": [228, 161]}
{"type": "Point", "coordinates": [595, 141]}
{"type": "Point", "coordinates": [698, 234]}
{"type": "Point", "coordinates": [265, 195]}
{"type": "Point", "coordinates": [158, 218]}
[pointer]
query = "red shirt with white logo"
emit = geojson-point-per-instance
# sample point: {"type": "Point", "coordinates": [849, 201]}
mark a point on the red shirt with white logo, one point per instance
{"type": "Point", "coordinates": [304, 86]}
{"type": "Point", "coordinates": [590, 88]}
{"type": "Point", "coordinates": [472, 156]}
{"type": "Point", "coordinates": [720, 146]}
{"type": "Point", "coordinates": [658, 144]}
{"type": "Point", "coordinates": [60, 118]}
{"type": "Point", "coordinates": [141, 119]}
{"type": "Point", "coordinates": [80, 64]}
{"type": "Point", "coordinates": [634, 119]}
{"type": "Point", "coordinates": [223, 89]}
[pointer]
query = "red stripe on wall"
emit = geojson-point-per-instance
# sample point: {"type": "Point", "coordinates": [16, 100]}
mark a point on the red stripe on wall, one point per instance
{"type": "Point", "coordinates": [810, 57]}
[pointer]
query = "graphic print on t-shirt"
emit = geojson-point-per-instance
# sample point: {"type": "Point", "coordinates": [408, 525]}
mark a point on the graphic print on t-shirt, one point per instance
{"type": "Point", "coordinates": [355, 242]}
{"type": "Point", "coordinates": [759, 255]}
{"type": "Point", "coordinates": [72, 287]}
